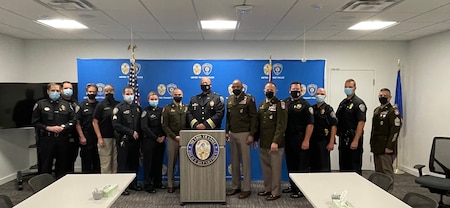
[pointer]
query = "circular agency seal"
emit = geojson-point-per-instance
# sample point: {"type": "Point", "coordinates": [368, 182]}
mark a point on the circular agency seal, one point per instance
{"type": "Point", "coordinates": [203, 150]}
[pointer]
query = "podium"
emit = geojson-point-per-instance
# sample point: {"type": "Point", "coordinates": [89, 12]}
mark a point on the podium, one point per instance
{"type": "Point", "coordinates": [202, 166]}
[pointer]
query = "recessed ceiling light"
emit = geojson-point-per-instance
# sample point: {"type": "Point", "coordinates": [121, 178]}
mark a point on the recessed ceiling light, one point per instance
{"type": "Point", "coordinates": [63, 24]}
{"type": "Point", "coordinates": [218, 24]}
{"type": "Point", "coordinates": [372, 25]}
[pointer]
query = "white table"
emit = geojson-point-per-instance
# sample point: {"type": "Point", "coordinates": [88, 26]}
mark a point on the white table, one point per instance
{"type": "Point", "coordinates": [75, 190]}
{"type": "Point", "coordinates": [318, 187]}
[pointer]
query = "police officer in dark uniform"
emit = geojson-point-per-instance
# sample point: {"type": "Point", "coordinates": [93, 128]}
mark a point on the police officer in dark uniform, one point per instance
{"type": "Point", "coordinates": [386, 124]}
{"type": "Point", "coordinates": [206, 110]}
{"type": "Point", "coordinates": [126, 123]}
{"type": "Point", "coordinates": [74, 142]}
{"type": "Point", "coordinates": [153, 144]}
{"type": "Point", "coordinates": [53, 119]}
{"type": "Point", "coordinates": [272, 121]}
{"type": "Point", "coordinates": [241, 126]}
{"type": "Point", "coordinates": [90, 161]}
{"type": "Point", "coordinates": [324, 133]}
{"type": "Point", "coordinates": [174, 120]}
{"type": "Point", "coordinates": [351, 114]}
{"type": "Point", "coordinates": [298, 134]}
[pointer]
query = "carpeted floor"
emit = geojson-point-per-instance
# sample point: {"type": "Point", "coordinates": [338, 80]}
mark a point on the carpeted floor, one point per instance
{"type": "Point", "coordinates": [403, 184]}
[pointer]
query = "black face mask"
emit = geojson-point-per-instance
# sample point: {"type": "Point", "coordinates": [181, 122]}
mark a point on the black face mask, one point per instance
{"type": "Point", "coordinates": [205, 88]}
{"type": "Point", "coordinates": [109, 97]}
{"type": "Point", "coordinates": [269, 94]}
{"type": "Point", "coordinates": [237, 92]}
{"type": "Point", "coordinates": [383, 100]}
{"type": "Point", "coordinates": [91, 96]}
{"type": "Point", "coordinates": [177, 99]}
{"type": "Point", "coordinates": [295, 94]}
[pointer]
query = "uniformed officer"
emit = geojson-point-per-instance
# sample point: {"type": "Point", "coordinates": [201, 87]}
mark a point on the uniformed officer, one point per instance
{"type": "Point", "coordinates": [324, 133]}
{"type": "Point", "coordinates": [104, 130]}
{"type": "Point", "coordinates": [153, 144]}
{"type": "Point", "coordinates": [206, 110]}
{"type": "Point", "coordinates": [298, 133]}
{"type": "Point", "coordinates": [74, 142]}
{"type": "Point", "coordinates": [53, 119]}
{"type": "Point", "coordinates": [174, 120]}
{"type": "Point", "coordinates": [351, 114]}
{"type": "Point", "coordinates": [272, 120]}
{"type": "Point", "coordinates": [126, 123]}
{"type": "Point", "coordinates": [90, 161]}
{"type": "Point", "coordinates": [386, 123]}
{"type": "Point", "coordinates": [241, 126]}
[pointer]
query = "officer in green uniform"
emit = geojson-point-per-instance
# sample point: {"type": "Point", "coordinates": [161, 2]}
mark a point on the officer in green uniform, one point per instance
{"type": "Point", "coordinates": [174, 120]}
{"type": "Point", "coordinates": [272, 119]}
{"type": "Point", "coordinates": [240, 128]}
{"type": "Point", "coordinates": [386, 123]}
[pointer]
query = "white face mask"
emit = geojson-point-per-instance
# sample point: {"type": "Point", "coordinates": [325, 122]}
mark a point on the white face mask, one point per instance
{"type": "Point", "coordinates": [128, 98]}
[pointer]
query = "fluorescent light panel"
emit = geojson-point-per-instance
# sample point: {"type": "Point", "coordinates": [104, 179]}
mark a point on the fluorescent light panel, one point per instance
{"type": "Point", "coordinates": [372, 25]}
{"type": "Point", "coordinates": [218, 24]}
{"type": "Point", "coordinates": [63, 24]}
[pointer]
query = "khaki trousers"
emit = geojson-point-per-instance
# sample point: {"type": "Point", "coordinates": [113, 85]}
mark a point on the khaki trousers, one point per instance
{"type": "Point", "coordinates": [173, 148]}
{"type": "Point", "coordinates": [108, 156]}
{"type": "Point", "coordinates": [383, 164]}
{"type": "Point", "coordinates": [240, 152]}
{"type": "Point", "coordinates": [271, 162]}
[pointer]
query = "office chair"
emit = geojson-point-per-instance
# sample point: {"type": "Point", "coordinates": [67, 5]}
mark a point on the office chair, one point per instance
{"type": "Point", "coordinates": [382, 180]}
{"type": "Point", "coordinates": [41, 181]}
{"type": "Point", "coordinates": [416, 200]}
{"type": "Point", "coordinates": [439, 163]}
{"type": "Point", "coordinates": [5, 202]}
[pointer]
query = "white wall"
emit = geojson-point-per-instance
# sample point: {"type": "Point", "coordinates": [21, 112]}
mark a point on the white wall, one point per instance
{"type": "Point", "coordinates": [12, 53]}
{"type": "Point", "coordinates": [426, 96]}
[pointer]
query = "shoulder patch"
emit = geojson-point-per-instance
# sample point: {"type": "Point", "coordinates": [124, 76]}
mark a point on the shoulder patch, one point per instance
{"type": "Point", "coordinates": [77, 108]}
{"type": "Point", "coordinates": [283, 105]}
{"type": "Point", "coordinates": [396, 112]}
{"type": "Point", "coordinates": [221, 99]}
{"type": "Point", "coordinates": [311, 110]}
{"type": "Point", "coordinates": [144, 113]}
{"type": "Point", "coordinates": [362, 107]}
{"type": "Point", "coordinates": [332, 114]}
{"type": "Point", "coordinates": [397, 122]}
{"type": "Point", "coordinates": [115, 110]}
{"type": "Point", "coordinates": [35, 106]}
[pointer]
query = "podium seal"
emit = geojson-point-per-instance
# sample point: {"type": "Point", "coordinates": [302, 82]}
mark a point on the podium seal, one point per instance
{"type": "Point", "coordinates": [203, 150]}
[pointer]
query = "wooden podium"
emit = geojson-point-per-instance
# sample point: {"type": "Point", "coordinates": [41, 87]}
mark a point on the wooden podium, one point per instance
{"type": "Point", "coordinates": [202, 166]}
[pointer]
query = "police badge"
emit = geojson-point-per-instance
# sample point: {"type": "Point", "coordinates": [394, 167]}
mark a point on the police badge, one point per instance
{"type": "Point", "coordinates": [161, 89]}
{"type": "Point", "coordinates": [197, 68]}
{"type": "Point", "coordinates": [125, 68]}
{"type": "Point", "coordinates": [207, 68]}
{"type": "Point", "coordinates": [312, 88]}
{"type": "Point", "coordinates": [277, 68]}
{"type": "Point", "coordinates": [171, 87]}
{"type": "Point", "coordinates": [202, 150]}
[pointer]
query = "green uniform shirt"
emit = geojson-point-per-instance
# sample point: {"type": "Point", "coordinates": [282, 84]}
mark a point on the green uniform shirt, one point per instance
{"type": "Point", "coordinates": [241, 114]}
{"type": "Point", "coordinates": [174, 119]}
{"type": "Point", "coordinates": [272, 120]}
{"type": "Point", "coordinates": [386, 125]}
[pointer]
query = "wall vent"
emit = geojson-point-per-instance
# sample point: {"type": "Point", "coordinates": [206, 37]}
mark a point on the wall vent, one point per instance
{"type": "Point", "coordinates": [68, 5]}
{"type": "Point", "coordinates": [369, 5]}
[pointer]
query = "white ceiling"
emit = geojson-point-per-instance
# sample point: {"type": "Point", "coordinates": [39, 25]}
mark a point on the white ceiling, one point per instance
{"type": "Point", "coordinates": [268, 20]}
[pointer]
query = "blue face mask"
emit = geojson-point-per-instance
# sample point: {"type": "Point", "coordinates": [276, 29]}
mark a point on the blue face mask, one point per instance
{"type": "Point", "coordinates": [68, 92]}
{"type": "Point", "coordinates": [54, 95]}
{"type": "Point", "coordinates": [320, 98]}
{"type": "Point", "coordinates": [128, 98]}
{"type": "Point", "coordinates": [153, 103]}
{"type": "Point", "coordinates": [348, 91]}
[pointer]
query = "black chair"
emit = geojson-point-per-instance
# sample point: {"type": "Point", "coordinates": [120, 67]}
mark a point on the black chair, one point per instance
{"type": "Point", "coordinates": [439, 163]}
{"type": "Point", "coordinates": [5, 202]}
{"type": "Point", "coordinates": [41, 181]}
{"type": "Point", "coordinates": [416, 200]}
{"type": "Point", "coordinates": [382, 180]}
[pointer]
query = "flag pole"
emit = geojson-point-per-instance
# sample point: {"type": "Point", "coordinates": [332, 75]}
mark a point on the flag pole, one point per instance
{"type": "Point", "coordinates": [397, 171]}
{"type": "Point", "coordinates": [270, 68]}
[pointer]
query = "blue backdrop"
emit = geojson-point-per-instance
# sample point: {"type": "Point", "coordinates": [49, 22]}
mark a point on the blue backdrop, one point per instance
{"type": "Point", "coordinates": [162, 76]}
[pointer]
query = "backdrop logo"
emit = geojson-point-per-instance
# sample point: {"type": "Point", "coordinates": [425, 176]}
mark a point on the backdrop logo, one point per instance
{"type": "Point", "coordinates": [207, 68]}
{"type": "Point", "coordinates": [101, 89]}
{"type": "Point", "coordinates": [312, 89]}
{"type": "Point", "coordinates": [161, 89]}
{"type": "Point", "coordinates": [203, 150]}
{"type": "Point", "coordinates": [266, 69]}
{"type": "Point", "coordinates": [197, 68]}
{"type": "Point", "coordinates": [125, 68]}
{"type": "Point", "coordinates": [303, 90]}
{"type": "Point", "coordinates": [171, 87]}
{"type": "Point", "coordinates": [277, 68]}
{"type": "Point", "coordinates": [244, 88]}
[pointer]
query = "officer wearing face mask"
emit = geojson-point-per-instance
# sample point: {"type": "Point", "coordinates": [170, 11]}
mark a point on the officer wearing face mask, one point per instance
{"type": "Point", "coordinates": [153, 144]}
{"type": "Point", "coordinates": [174, 120]}
{"type": "Point", "coordinates": [351, 114]}
{"type": "Point", "coordinates": [241, 126]}
{"type": "Point", "coordinates": [67, 95]}
{"type": "Point", "coordinates": [90, 162]}
{"type": "Point", "coordinates": [324, 133]}
{"type": "Point", "coordinates": [104, 130]}
{"type": "Point", "coordinates": [53, 119]}
{"type": "Point", "coordinates": [206, 110]}
{"type": "Point", "coordinates": [272, 121]}
{"type": "Point", "coordinates": [127, 124]}
{"type": "Point", "coordinates": [386, 123]}
{"type": "Point", "coordinates": [298, 134]}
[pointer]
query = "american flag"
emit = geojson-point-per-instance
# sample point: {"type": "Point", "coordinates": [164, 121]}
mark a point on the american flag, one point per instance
{"type": "Point", "coordinates": [133, 82]}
